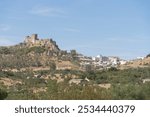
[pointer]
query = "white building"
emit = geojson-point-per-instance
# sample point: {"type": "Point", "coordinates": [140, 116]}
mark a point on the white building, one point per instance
{"type": "Point", "coordinates": [114, 60]}
{"type": "Point", "coordinates": [122, 62]}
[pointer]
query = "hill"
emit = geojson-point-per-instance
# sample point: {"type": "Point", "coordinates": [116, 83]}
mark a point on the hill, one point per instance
{"type": "Point", "coordinates": [145, 62]}
{"type": "Point", "coordinates": [34, 52]}
{"type": "Point", "coordinates": [39, 69]}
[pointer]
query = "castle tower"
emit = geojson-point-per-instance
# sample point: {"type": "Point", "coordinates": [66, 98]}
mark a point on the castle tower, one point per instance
{"type": "Point", "coordinates": [34, 37]}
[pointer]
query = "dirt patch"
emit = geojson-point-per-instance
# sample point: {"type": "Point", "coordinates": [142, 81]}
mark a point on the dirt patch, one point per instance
{"type": "Point", "coordinates": [9, 82]}
{"type": "Point", "coordinates": [106, 86]}
{"type": "Point", "coordinates": [38, 90]}
{"type": "Point", "coordinates": [65, 65]}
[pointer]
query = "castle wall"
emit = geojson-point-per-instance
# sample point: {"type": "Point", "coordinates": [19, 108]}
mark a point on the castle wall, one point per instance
{"type": "Point", "coordinates": [34, 41]}
{"type": "Point", "coordinates": [34, 36]}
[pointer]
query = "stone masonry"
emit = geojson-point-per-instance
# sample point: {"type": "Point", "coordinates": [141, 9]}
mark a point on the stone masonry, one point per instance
{"type": "Point", "coordinates": [33, 40]}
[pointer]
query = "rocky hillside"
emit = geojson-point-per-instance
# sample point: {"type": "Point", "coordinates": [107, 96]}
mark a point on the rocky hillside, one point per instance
{"type": "Point", "coordinates": [35, 52]}
{"type": "Point", "coordinates": [145, 62]}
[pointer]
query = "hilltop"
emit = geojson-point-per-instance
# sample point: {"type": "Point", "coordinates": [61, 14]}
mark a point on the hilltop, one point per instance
{"type": "Point", "coordinates": [35, 52]}
{"type": "Point", "coordinates": [33, 40]}
{"type": "Point", "coordinates": [41, 53]}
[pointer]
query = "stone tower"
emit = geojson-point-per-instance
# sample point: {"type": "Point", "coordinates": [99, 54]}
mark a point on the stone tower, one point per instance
{"type": "Point", "coordinates": [34, 38]}
{"type": "Point", "coordinates": [31, 39]}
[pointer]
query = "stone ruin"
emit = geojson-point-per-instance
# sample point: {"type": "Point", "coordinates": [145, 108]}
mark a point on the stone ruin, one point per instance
{"type": "Point", "coordinates": [33, 40]}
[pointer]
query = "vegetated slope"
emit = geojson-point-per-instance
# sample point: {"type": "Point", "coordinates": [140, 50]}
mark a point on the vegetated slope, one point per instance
{"type": "Point", "coordinates": [137, 63]}
{"type": "Point", "coordinates": [33, 70]}
{"type": "Point", "coordinates": [22, 56]}
{"type": "Point", "coordinates": [46, 84]}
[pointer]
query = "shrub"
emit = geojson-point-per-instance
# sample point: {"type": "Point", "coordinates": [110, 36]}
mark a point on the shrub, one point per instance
{"type": "Point", "coordinates": [52, 66]}
{"type": "Point", "coordinates": [3, 94]}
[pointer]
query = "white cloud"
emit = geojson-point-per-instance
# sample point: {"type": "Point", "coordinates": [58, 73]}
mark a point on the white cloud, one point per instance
{"type": "Point", "coordinates": [47, 11]}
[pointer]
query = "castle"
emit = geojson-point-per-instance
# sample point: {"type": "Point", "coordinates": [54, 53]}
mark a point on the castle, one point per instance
{"type": "Point", "coordinates": [33, 40]}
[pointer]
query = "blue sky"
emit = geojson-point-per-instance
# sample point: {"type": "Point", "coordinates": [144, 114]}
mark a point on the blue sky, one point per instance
{"type": "Point", "coordinates": [108, 27]}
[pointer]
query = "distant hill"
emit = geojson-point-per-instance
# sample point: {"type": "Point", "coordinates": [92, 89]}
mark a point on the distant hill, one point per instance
{"type": "Point", "coordinates": [137, 63]}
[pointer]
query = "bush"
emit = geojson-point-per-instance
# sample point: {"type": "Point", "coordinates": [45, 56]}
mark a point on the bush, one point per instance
{"type": "Point", "coordinates": [3, 94]}
{"type": "Point", "coordinates": [113, 69]}
{"type": "Point", "coordinates": [5, 50]}
{"type": "Point", "coordinates": [52, 66]}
